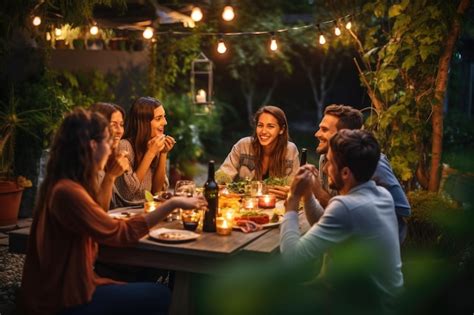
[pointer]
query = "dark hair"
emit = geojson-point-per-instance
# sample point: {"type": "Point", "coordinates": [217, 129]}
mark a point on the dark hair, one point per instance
{"type": "Point", "coordinates": [107, 109]}
{"type": "Point", "coordinates": [137, 127]}
{"type": "Point", "coordinates": [277, 167]}
{"type": "Point", "coordinates": [71, 156]}
{"type": "Point", "coordinates": [349, 117]}
{"type": "Point", "coordinates": [356, 149]}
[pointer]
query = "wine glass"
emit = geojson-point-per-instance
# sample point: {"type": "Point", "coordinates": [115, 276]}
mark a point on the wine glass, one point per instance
{"type": "Point", "coordinates": [182, 188]}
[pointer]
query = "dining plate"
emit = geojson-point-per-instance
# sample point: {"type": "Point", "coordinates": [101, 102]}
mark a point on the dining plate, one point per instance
{"type": "Point", "coordinates": [269, 224]}
{"type": "Point", "coordinates": [125, 213]}
{"type": "Point", "coordinates": [173, 236]}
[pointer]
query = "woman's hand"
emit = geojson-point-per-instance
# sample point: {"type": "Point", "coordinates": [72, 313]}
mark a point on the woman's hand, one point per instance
{"type": "Point", "coordinates": [169, 144]}
{"type": "Point", "coordinates": [117, 164]}
{"type": "Point", "coordinates": [156, 144]}
{"type": "Point", "coordinates": [188, 203]}
{"type": "Point", "coordinates": [281, 192]}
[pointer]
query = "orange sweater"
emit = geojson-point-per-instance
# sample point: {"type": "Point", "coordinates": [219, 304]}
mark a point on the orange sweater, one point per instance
{"type": "Point", "coordinates": [62, 248]}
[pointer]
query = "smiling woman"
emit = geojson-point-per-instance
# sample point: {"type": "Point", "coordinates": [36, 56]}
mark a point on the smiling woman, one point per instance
{"type": "Point", "coordinates": [268, 153]}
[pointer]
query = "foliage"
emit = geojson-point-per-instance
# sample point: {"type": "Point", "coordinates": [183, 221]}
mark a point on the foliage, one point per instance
{"type": "Point", "coordinates": [189, 129]}
{"type": "Point", "coordinates": [400, 51]}
{"type": "Point", "coordinates": [458, 131]}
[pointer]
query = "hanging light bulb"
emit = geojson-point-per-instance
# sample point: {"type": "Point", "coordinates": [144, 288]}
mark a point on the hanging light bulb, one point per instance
{"type": "Point", "coordinates": [94, 30]}
{"type": "Point", "coordinates": [337, 30]}
{"type": "Point", "coordinates": [349, 24]}
{"type": "Point", "coordinates": [228, 13]}
{"type": "Point", "coordinates": [196, 14]}
{"type": "Point", "coordinates": [48, 36]}
{"type": "Point", "coordinates": [322, 40]}
{"type": "Point", "coordinates": [36, 21]}
{"type": "Point", "coordinates": [58, 31]}
{"type": "Point", "coordinates": [221, 48]}
{"type": "Point", "coordinates": [273, 43]}
{"type": "Point", "coordinates": [148, 33]}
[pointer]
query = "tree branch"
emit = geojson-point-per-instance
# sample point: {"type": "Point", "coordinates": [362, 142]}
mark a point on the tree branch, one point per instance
{"type": "Point", "coordinates": [379, 105]}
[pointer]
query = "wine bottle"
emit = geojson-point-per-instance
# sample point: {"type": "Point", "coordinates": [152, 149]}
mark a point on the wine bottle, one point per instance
{"type": "Point", "coordinates": [211, 192]}
{"type": "Point", "coordinates": [303, 156]}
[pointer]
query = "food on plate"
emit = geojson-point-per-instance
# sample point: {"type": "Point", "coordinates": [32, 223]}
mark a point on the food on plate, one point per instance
{"type": "Point", "coordinates": [275, 218]}
{"type": "Point", "coordinates": [255, 216]}
{"type": "Point", "coordinates": [229, 202]}
{"type": "Point", "coordinates": [173, 236]}
{"type": "Point", "coordinates": [248, 226]}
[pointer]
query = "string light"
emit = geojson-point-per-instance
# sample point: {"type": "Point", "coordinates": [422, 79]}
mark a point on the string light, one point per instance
{"type": "Point", "coordinates": [196, 14]}
{"type": "Point", "coordinates": [337, 30]}
{"type": "Point", "coordinates": [94, 30]}
{"type": "Point", "coordinates": [148, 33]}
{"type": "Point", "coordinates": [228, 13]}
{"type": "Point", "coordinates": [221, 48]}
{"type": "Point", "coordinates": [349, 24]}
{"type": "Point", "coordinates": [57, 31]}
{"type": "Point", "coordinates": [273, 43]}
{"type": "Point", "coordinates": [322, 40]}
{"type": "Point", "coordinates": [36, 21]}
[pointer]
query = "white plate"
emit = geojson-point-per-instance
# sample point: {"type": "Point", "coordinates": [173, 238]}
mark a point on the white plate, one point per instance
{"type": "Point", "coordinates": [125, 213]}
{"type": "Point", "coordinates": [269, 224]}
{"type": "Point", "coordinates": [173, 236]}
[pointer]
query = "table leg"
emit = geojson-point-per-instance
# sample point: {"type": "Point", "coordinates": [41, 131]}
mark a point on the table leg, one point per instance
{"type": "Point", "coordinates": [181, 300]}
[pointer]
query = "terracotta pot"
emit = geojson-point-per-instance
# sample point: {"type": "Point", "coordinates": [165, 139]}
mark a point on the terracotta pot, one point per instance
{"type": "Point", "coordinates": [10, 198]}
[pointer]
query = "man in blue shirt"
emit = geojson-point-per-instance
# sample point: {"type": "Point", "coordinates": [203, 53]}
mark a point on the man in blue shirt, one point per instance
{"type": "Point", "coordinates": [337, 117]}
{"type": "Point", "coordinates": [362, 210]}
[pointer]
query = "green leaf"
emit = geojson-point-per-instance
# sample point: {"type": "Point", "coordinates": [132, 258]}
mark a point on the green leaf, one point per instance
{"type": "Point", "coordinates": [148, 196]}
{"type": "Point", "coordinates": [409, 62]}
{"type": "Point", "coordinates": [394, 10]}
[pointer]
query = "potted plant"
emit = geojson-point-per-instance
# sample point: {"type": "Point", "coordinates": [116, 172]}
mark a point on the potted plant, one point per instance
{"type": "Point", "coordinates": [11, 187]}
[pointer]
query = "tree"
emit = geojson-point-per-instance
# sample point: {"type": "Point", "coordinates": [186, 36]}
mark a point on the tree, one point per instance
{"type": "Point", "coordinates": [404, 57]}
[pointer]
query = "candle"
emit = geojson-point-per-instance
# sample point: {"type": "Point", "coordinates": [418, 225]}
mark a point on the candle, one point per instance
{"type": "Point", "coordinates": [150, 206]}
{"type": "Point", "coordinates": [250, 203]}
{"type": "Point", "coordinates": [267, 201]}
{"type": "Point", "coordinates": [223, 226]}
{"type": "Point", "coordinates": [201, 96]}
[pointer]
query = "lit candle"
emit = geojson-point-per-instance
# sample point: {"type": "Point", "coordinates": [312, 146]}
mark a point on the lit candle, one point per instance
{"type": "Point", "coordinates": [223, 226]}
{"type": "Point", "coordinates": [201, 96]}
{"type": "Point", "coordinates": [150, 206]}
{"type": "Point", "coordinates": [250, 203]}
{"type": "Point", "coordinates": [267, 201]}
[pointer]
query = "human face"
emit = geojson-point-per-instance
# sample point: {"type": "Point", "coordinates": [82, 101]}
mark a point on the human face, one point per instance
{"type": "Point", "coordinates": [116, 128]}
{"type": "Point", "coordinates": [335, 180]}
{"type": "Point", "coordinates": [327, 129]}
{"type": "Point", "coordinates": [158, 122]}
{"type": "Point", "coordinates": [268, 130]}
{"type": "Point", "coordinates": [102, 149]}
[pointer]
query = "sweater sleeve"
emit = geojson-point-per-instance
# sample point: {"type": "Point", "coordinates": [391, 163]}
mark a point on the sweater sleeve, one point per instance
{"type": "Point", "coordinates": [76, 211]}
{"type": "Point", "coordinates": [231, 164]}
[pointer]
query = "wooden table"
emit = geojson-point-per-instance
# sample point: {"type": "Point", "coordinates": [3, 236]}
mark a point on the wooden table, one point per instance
{"type": "Point", "coordinates": [201, 256]}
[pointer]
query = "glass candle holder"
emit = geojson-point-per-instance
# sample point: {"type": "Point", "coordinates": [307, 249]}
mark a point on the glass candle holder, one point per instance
{"type": "Point", "coordinates": [190, 219]}
{"type": "Point", "coordinates": [150, 206]}
{"type": "Point", "coordinates": [223, 226]}
{"type": "Point", "coordinates": [267, 201]}
{"type": "Point", "coordinates": [250, 203]}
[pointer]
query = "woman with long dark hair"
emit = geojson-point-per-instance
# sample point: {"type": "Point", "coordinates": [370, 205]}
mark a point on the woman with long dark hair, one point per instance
{"type": "Point", "coordinates": [58, 275]}
{"type": "Point", "coordinates": [268, 153]}
{"type": "Point", "coordinates": [147, 147]}
{"type": "Point", "coordinates": [117, 164]}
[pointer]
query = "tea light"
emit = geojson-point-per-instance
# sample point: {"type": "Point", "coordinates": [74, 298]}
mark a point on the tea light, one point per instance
{"type": "Point", "coordinates": [266, 201]}
{"type": "Point", "coordinates": [150, 206]}
{"type": "Point", "coordinates": [250, 203]}
{"type": "Point", "coordinates": [223, 226]}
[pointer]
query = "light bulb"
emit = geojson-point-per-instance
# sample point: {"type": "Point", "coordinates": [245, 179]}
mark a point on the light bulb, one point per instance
{"type": "Point", "coordinates": [337, 31]}
{"type": "Point", "coordinates": [273, 44]}
{"type": "Point", "coordinates": [36, 21]}
{"type": "Point", "coordinates": [48, 36]}
{"type": "Point", "coordinates": [57, 31]}
{"type": "Point", "coordinates": [322, 40]}
{"type": "Point", "coordinates": [94, 30]}
{"type": "Point", "coordinates": [148, 32]}
{"type": "Point", "coordinates": [221, 49]}
{"type": "Point", "coordinates": [196, 14]}
{"type": "Point", "coordinates": [348, 25]}
{"type": "Point", "coordinates": [228, 13]}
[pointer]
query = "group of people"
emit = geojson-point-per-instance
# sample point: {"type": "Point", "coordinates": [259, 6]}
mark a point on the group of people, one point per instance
{"type": "Point", "coordinates": [96, 164]}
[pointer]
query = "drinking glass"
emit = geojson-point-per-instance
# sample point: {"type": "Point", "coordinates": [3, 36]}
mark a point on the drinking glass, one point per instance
{"type": "Point", "coordinates": [182, 188]}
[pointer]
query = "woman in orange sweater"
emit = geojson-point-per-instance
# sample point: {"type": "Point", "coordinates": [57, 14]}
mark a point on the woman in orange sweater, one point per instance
{"type": "Point", "coordinates": [58, 276]}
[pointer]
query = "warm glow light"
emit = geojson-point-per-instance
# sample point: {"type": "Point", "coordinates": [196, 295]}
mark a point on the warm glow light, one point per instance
{"type": "Point", "coordinates": [196, 14]}
{"type": "Point", "coordinates": [322, 40]}
{"type": "Point", "coordinates": [337, 31]}
{"type": "Point", "coordinates": [273, 44]}
{"type": "Point", "coordinates": [36, 21]}
{"type": "Point", "coordinates": [201, 96]}
{"type": "Point", "coordinates": [221, 49]}
{"type": "Point", "coordinates": [228, 13]}
{"type": "Point", "coordinates": [349, 25]}
{"type": "Point", "coordinates": [94, 30]}
{"type": "Point", "coordinates": [48, 36]}
{"type": "Point", "coordinates": [58, 32]}
{"type": "Point", "coordinates": [148, 33]}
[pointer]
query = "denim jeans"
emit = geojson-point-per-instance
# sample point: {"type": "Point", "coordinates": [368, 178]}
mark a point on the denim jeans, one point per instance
{"type": "Point", "coordinates": [131, 298]}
